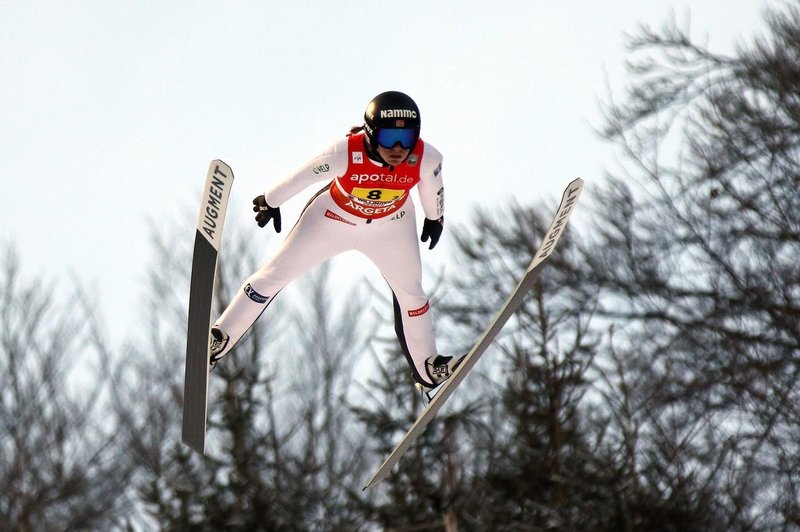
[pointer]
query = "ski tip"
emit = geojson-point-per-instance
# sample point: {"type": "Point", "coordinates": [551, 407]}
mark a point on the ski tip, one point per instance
{"type": "Point", "coordinates": [223, 166]}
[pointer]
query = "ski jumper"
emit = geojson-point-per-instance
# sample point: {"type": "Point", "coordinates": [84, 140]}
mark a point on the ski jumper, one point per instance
{"type": "Point", "coordinates": [366, 206]}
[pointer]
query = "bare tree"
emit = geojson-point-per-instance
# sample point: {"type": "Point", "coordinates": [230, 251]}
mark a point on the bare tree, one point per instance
{"type": "Point", "coordinates": [698, 266]}
{"type": "Point", "coordinates": [62, 467]}
{"type": "Point", "coordinates": [329, 330]}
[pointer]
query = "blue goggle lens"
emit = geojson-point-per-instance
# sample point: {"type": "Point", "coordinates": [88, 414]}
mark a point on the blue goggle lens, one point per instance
{"type": "Point", "coordinates": [387, 138]}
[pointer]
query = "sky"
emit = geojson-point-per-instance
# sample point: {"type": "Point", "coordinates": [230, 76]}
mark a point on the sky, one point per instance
{"type": "Point", "coordinates": [110, 112]}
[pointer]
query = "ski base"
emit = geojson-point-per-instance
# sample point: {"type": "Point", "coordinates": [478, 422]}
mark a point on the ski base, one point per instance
{"type": "Point", "coordinates": [208, 238]}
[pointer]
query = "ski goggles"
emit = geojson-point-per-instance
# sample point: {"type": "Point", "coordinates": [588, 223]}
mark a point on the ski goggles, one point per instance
{"type": "Point", "coordinates": [387, 138]}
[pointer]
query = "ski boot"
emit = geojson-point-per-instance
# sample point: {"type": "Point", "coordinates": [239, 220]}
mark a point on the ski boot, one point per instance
{"type": "Point", "coordinates": [439, 369]}
{"type": "Point", "coordinates": [219, 340]}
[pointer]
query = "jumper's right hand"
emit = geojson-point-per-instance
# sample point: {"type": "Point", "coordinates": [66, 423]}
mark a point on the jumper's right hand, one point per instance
{"type": "Point", "coordinates": [266, 213]}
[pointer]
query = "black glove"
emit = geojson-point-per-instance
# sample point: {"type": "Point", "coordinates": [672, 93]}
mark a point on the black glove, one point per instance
{"type": "Point", "coordinates": [266, 213]}
{"type": "Point", "coordinates": [432, 229]}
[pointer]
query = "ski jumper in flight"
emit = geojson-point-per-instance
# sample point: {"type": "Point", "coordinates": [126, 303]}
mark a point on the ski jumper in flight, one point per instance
{"type": "Point", "coordinates": [364, 205]}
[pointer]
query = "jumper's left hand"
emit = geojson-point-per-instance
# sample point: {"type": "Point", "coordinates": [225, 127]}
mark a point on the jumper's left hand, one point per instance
{"type": "Point", "coordinates": [432, 229]}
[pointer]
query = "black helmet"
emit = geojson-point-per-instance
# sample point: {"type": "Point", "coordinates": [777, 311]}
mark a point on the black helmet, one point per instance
{"type": "Point", "coordinates": [392, 117]}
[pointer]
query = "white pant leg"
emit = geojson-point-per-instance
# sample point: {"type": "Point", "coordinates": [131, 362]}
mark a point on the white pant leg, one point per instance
{"type": "Point", "coordinates": [314, 239]}
{"type": "Point", "coordinates": [392, 245]}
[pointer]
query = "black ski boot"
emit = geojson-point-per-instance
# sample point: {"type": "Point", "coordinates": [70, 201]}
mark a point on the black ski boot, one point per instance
{"type": "Point", "coordinates": [219, 340]}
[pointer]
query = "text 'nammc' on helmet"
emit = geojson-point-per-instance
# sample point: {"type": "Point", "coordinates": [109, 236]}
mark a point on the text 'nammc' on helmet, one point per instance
{"type": "Point", "coordinates": [391, 110]}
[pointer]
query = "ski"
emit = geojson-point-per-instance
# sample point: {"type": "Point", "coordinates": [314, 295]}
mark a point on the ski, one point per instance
{"type": "Point", "coordinates": [554, 232]}
{"type": "Point", "coordinates": [201, 290]}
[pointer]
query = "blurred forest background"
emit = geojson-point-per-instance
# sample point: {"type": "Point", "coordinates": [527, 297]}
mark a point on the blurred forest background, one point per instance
{"type": "Point", "coordinates": [650, 382]}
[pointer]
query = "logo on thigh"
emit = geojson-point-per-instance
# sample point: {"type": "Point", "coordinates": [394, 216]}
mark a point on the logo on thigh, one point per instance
{"type": "Point", "coordinates": [255, 296]}
{"type": "Point", "coordinates": [420, 311]}
{"type": "Point", "coordinates": [334, 216]}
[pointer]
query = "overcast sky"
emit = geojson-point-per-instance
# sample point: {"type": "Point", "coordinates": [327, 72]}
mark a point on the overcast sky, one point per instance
{"type": "Point", "coordinates": [111, 111]}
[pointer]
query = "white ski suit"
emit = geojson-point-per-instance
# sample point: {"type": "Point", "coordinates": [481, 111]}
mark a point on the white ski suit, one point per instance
{"type": "Point", "coordinates": [366, 206]}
